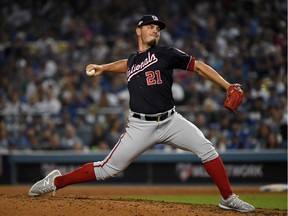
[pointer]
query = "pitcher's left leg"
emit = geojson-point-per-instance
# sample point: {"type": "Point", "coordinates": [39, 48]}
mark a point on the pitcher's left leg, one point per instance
{"type": "Point", "coordinates": [185, 135]}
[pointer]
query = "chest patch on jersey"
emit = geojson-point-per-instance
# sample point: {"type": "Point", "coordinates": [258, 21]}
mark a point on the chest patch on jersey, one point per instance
{"type": "Point", "coordinates": [137, 68]}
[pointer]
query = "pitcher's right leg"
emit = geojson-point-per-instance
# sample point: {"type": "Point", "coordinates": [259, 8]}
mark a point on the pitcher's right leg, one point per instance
{"type": "Point", "coordinates": [137, 139]}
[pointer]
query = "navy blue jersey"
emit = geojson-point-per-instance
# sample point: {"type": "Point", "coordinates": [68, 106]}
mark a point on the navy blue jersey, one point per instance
{"type": "Point", "coordinates": [150, 78]}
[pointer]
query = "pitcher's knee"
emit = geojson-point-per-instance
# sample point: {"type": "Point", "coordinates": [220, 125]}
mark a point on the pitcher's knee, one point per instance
{"type": "Point", "coordinates": [208, 156]}
{"type": "Point", "coordinates": [104, 172]}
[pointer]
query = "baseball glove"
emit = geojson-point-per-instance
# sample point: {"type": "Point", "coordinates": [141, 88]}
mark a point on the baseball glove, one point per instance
{"type": "Point", "coordinates": [234, 97]}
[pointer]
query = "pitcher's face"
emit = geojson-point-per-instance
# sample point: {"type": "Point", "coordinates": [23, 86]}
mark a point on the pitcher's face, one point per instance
{"type": "Point", "coordinates": [149, 35]}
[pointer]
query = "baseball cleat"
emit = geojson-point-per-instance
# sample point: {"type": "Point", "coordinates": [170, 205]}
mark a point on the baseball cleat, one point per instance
{"type": "Point", "coordinates": [234, 203]}
{"type": "Point", "coordinates": [45, 185]}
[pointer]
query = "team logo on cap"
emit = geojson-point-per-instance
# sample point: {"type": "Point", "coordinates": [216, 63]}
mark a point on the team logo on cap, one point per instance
{"type": "Point", "coordinates": [154, 17]}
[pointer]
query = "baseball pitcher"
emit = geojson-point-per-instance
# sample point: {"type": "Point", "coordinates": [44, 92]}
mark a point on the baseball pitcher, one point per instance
{"type": "Point", "coordinates": [153, 117]}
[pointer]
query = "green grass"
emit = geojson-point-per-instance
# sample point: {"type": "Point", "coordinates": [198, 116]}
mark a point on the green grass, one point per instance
{"type": "Point", "coordinates": [270, 201]}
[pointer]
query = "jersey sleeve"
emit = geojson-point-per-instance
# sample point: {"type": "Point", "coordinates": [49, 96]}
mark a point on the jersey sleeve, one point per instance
{"type": "Point", "coordinates": [180, 60]}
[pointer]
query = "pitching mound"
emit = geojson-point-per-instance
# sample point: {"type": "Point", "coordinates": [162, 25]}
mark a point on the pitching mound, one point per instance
{"type": "Point", "coordinates": [106, 200]}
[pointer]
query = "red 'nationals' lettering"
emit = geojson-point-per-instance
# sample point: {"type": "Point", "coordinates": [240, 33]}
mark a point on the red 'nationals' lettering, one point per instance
{"type": "Point", "coordinates": [153, 78]}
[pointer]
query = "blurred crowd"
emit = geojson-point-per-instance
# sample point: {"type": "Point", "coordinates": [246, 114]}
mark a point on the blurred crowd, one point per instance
{"type": "Point", "coordinates": [48, 103]}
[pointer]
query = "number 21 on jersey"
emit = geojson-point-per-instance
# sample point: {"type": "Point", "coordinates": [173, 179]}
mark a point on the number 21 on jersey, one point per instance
{"type": "Point", "coordinates": [153, 77]}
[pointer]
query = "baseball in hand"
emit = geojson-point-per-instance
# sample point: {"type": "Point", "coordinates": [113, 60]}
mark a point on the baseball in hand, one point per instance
{"type": "Point", "coordinates": [90, 72]}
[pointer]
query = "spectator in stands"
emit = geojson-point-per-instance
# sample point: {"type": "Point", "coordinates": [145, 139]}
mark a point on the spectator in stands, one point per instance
{"type": "Point", "coordinates": [201, 122]}
{"type": "Point", "coordinates": [55, 143]}
{"type": "Point", "coordinates": [214, 136]}
{"type": "Point", "coordinates": [95, 89]}
{"type": "Point", "coordinates": [100, 48]}
{"type": "Point", "coordinates": [30, 141]}
{"type": "Point", "coordinates": [265, 137]}
{"type": "Point", "coordinates": [70, 140]}
{"type": "Point", "coordinates": [45, 137]}
{"type": "Point", "coordinates": [277, 120]}
{"type": "Point", "coordinates": [238, 136]}
{"type": "Point", "coordinates": [116, 128]}
{"type": "Point", "coordinates": [5, 140]}
{"type": "Point", "coordinates": [51, 104]}
{"type": "Point", "coordinates": [13, 106]}
{"type": "Point", "coordinates": [99, 139]}
{"type": "Point", "coordinates": [33, 105]}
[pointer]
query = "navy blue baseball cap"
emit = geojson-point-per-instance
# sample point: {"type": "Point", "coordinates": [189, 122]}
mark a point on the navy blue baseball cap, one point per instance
{"type": "Point", "coordinates": [151, 19]}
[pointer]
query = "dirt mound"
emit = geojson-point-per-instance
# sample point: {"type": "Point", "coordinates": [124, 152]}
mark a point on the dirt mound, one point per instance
{"type": "Point", "coordinates": [100, 200]}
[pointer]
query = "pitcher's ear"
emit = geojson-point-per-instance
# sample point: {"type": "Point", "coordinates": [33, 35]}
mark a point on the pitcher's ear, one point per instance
{"type": "Point", "coordinates": [138, 31]}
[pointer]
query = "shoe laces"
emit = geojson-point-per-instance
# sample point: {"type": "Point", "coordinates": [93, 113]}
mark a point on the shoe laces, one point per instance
{"type": "Point", "coordinates": [49, 189]}
{"type": "Point", "coordinates": [236, 201]}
